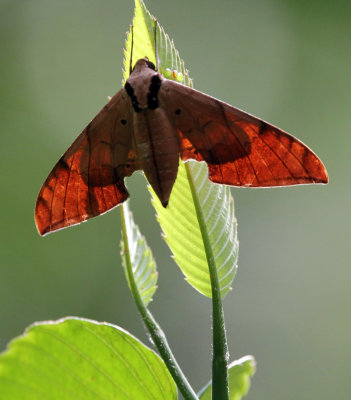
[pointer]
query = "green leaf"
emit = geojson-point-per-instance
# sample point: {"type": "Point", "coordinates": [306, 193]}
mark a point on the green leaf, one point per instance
{"type": "Point", "coordinates": [79, 359]}
{"type": "Point", "coordinates": [141, 260]}
{"type": "Point", "coordinates": [183, 233]}
{"type": "Point", "coordinates": [179, 221]}
{"type": "Point", "coordinates": [143, 38]}
{"type": "Point", "coordinates": [240, 372]}
{"type": "Point", "coordinates": [144, 44]}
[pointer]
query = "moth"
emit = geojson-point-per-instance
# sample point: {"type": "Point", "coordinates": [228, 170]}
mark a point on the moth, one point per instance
{"type": "Point", "coordinates": [149, 125]}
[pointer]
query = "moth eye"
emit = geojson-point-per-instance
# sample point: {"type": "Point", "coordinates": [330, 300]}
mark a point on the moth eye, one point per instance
{"type": "Point", "coordinates": [128, 165]}
{"type": "Point", "coordinates": [177, 111]}
{"type": "Point", "coordinates": [123, 122]}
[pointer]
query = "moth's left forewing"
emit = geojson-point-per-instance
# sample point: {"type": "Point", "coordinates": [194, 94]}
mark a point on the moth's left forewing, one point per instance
{"type": "Point", "coordinates": [240, 149]}
{"type": "Point", "coordinates": [88, 179]}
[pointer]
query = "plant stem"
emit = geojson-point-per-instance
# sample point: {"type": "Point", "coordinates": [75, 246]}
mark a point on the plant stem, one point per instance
{"type": "Point", "coordinates": [157, 334]}
{"type": "Point", "coordinates": [220, 387]}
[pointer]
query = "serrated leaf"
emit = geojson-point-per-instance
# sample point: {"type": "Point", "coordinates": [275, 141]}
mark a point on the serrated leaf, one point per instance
{"type": "Point", "coordinates": [80, 359]}
{"type": "Point", "coordinates": [144, 44]}
{"type": "Point", "coordinates": [240, 373]}
{"type": "Point", "coordinates": [141, 259]}
{"type": "Point", "coordinates": [179, 221]}
{"type": "Point", "coordinates": [183, 235]}
{"type": "Point", "coordinates": [143, 38]}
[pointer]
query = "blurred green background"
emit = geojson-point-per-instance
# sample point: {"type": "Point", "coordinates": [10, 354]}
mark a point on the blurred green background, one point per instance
{"type": "Point", "coordinates": [288, 62]}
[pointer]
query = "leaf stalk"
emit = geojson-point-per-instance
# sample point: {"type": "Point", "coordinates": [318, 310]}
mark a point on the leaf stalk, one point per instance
{"type": "Point", "coordinates": [220, 386]}
{"type": "Point", "coordinates": [156, 333]}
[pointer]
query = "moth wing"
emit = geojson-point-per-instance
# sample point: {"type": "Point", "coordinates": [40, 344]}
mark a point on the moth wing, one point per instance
{"type": "Point", "coordinates": [240, 149]}
{"type": "Point", "coordinates": [88, 179]}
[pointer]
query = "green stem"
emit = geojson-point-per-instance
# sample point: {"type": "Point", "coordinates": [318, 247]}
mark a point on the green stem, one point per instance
{"type": "Point", "coordinates": [220, 388]}
{"type": "Point", "coordinates": [157, 334]}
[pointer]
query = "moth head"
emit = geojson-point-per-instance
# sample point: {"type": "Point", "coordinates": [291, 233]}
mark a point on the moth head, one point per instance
{"type": "Point", "coordinates": [144, 62]}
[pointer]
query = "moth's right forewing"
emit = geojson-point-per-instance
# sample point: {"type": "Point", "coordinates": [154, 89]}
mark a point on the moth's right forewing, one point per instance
{"type": "Point", "coordinates": [240, 149]}
{"type": "Point", "coordinates": [88, 179]}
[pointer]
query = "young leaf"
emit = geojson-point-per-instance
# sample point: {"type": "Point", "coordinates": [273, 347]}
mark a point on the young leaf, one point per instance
{"type": "Point", "coordinates": [143, 33]}
{"type": "Point", "coordinates": [240, 372]}
{"type": "Point", "coordinates": [142, 263]}
{"type": "Point", "coordinates": [81, 359]}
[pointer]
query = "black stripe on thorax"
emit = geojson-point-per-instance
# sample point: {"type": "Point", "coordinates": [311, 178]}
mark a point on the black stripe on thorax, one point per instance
{"type": "Point", "coordinates": [152, 96]}
{"type": "Point", "coordinates": [130, 93]}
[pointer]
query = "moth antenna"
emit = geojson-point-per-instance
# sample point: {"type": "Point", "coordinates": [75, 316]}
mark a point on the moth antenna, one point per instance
{"type": "Point", "coordinates": [131, 51]}
{"type": "Point", "coordinates": [156, 51]}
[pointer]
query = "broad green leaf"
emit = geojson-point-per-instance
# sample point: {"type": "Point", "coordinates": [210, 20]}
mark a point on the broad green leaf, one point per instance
{"type": "Point", "coordinates": [141, 260]}
{"type": "Point", "coordinates": [76, 359]}
{"type": "Point", "coordinates": [179, 220]}
{"type": "Point", "coordinates": [240, 372]}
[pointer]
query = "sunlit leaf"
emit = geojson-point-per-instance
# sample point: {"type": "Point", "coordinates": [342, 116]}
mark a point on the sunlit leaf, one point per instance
{"type": "Point", "coordinates": [76, 359]}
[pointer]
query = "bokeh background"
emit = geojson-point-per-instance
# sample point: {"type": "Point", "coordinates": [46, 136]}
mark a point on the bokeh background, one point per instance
{"type": "Point", "coordinates": [287, 61]}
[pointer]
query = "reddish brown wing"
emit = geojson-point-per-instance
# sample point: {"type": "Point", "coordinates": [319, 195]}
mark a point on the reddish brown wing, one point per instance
{"type": "Point", "coordinates": [240, 150]}
{"type": "Point", "coordinates": [88, 179]}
